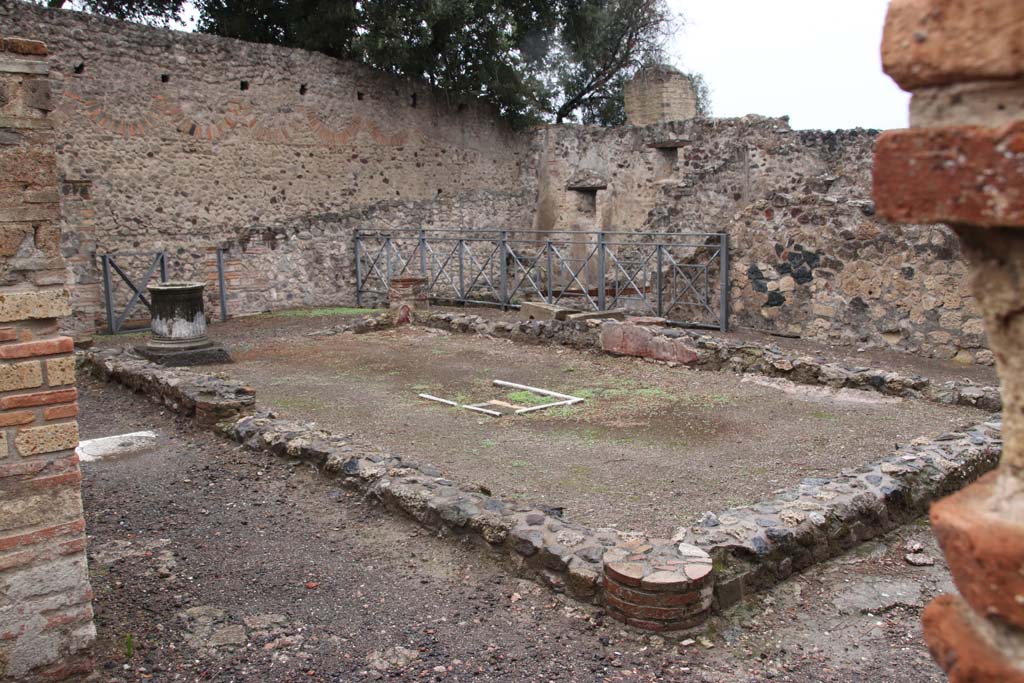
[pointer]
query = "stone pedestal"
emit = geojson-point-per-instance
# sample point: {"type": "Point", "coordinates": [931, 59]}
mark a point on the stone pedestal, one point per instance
{"type": "Point", "coordinates": [963, 164]}
{"type": "Point", "coordinates": [179, 327]}
{"type": "Point", "coordinates": [406, 295]}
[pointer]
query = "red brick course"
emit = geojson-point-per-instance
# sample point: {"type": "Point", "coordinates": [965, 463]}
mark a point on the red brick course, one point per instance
{"type": "Point", "coordinates": [38, 398]}
{"type": "Point", "coordinates": [60, 412]}
{"type": "Point", "coordinates": [985, 550]}
{"type": "Point", "coordinates": [959, 649]}
{"type": "Point", "coordinates": [957, 175]}
{"type": "Point", "coordinates": [48, 347]}
{"type": "Point", "coordinates": [18, 418]}
{"type": "Point", "coordinates": [937, 42]}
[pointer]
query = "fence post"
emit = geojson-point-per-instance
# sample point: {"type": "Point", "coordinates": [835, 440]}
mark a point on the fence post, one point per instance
{"type": "Point", "coordinates": [503, 269]}
{"type": "Point", "coordinates": [660, 284]}
{"type": "Point", "coordinates": [163, 266]}
{"type": "Point", "coordinates": [551, 275]}
{"type": "Point", "coordinates": [601, 257]}
{"type": "Point", "coordinates": [387, 260]}
{"type": "Point", "coordinates": [220, 285]}
{"type": "Point", "coordinates": [359, 270]}
{"type": "Point", "coordinates": [423, 256]}
{"type": "Point", "coordinates": [108, 295]}
{"type": "Point", "coordinates": [723, 267]}
{"type": "Point", "coordinates": [462, 280]}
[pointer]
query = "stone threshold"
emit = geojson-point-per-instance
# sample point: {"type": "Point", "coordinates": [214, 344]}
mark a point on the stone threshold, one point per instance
{"type": "Point", "coordinates": [652, 584]}
{"type": "Point", "coordinates": [650, 338]}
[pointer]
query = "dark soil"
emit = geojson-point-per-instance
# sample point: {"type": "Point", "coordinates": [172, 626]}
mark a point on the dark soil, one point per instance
{"type": "Point", "coordinates": [225, 565]}
{"type": "Point", "coordinates": [650, 449]}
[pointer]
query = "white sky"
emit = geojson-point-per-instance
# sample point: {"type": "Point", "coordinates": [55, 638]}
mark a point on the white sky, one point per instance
{"type": "Point", "coordinates": [815, 60]}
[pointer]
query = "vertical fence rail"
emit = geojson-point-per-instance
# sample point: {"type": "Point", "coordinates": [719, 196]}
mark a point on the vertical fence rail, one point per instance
{"type": "Point", "coordinates": [664, 274]}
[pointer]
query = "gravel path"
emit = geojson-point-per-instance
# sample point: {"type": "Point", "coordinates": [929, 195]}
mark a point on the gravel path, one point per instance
{"type": "Point", "coordinates": [214, 564]}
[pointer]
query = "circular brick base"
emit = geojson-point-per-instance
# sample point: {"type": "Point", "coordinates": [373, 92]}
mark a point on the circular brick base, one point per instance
{"type": "Point", "coordinates": [658, 585]}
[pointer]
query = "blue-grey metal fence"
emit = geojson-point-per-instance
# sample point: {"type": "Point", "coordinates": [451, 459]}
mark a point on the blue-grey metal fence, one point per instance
{"type": "Point", "coordinates": [681, 276]}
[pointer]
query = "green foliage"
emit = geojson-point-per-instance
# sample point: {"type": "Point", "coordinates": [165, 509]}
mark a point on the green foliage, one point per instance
{"type": "Point", "coordinates": [159, 12]}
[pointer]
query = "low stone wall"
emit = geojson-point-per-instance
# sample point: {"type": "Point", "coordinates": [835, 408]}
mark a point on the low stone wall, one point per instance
{"type": "Point", "coordinates": [662, 585]}
{"type": "Point", "coordinates": [208, 398]}
{"type": "Point", "coordinates": [579, 334]}
{"type": "Point", "coordinates": [652, 584]}
{"type": "Point", "coordinates": [648, 338]}
{"type": "Point", "coordinates": [755, 546]}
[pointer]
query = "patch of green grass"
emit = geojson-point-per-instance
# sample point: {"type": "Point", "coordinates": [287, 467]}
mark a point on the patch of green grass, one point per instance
{"type": "Point", "coordinates": [823, 415]}
{"type": "Point", "coordinates": [519, 463]}
{"type": "Point", "coordinates": [320, 312]}
{"type": "Point", "coordinates": [528, 398]}
{"type": "Point", "coordinates": [488, 443]}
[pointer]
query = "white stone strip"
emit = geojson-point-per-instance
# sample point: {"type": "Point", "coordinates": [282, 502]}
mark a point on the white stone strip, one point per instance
{"type": "Point", "coordinates": [97, 449]}
{"type": "Point", "coordinates": [492, 413]}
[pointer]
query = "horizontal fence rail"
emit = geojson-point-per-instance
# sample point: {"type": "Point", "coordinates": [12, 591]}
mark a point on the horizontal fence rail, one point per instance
{"type": "Point", "coordinates": [681, 276]}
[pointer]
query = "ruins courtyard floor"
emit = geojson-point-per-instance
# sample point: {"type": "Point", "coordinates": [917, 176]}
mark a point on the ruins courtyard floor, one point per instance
{"type": "Point", "coordinates": [651, 448]}
{"type": "Point", "coordinates": [213, 563]}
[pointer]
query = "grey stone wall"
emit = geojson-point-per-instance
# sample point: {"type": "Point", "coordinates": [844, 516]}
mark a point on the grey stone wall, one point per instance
{"type": "Point", "coordinates": [809, 258]}
{"type": "Point", "coordinates": [182, 142]}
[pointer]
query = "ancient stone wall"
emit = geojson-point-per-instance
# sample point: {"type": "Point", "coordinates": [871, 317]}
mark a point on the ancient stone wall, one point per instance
{"type": "Point", "coordinates": [809, 258]}
{"type": "Point", "coordinates": [181, 142]}
{"type": "Point", "coordinates": [45, 598]}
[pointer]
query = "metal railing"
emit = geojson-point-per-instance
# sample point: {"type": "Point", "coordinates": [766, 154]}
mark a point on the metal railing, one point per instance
{"type": "Point", "coordinates": [124, 265]}
{"type": "Point", "coordinates": [681, 276]}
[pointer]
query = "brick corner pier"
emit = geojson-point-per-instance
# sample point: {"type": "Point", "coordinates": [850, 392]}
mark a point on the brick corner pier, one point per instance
{"type": "Point", "coordinates": [46, 626]}
{"type": "Point", "coordinates": [962, 163]}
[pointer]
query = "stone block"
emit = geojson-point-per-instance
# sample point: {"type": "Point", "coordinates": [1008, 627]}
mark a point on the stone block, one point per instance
{"type": "Point", "coordinates": [633, 340]}
{"type": "Point", "coordinates": [46, 439]}
{"type": "Point", "coordinates": [14, 376]}
{"type": "Point", "coordinates": [29, 304]}
{"type": "Point", "coordinates": [60, 371]}
{"type": "Point", "coordinates": [538, 310]}
{"type": "Point", "coordinates": [613, 314]}
{"type": "Point", "coordinates": [937, 42]}
{"type": "Point", "coordinates": [24, 46]}
{"type": "Point", "coordinates": [43, 504]}
{"type": "Point", "coordinates": [956, 175]}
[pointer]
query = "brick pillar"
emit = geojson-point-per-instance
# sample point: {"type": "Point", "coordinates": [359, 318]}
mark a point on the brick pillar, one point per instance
{"type": "Point", "coordinates": [45, 599]}
{"type": "Point", "coordinates": [962, 163]}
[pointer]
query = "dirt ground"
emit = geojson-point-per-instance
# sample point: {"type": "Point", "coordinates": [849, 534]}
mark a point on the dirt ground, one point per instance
{"type": "Point", "coordinates": [211, 563]}
{"type": "Point", "coordinates": [650, 449]}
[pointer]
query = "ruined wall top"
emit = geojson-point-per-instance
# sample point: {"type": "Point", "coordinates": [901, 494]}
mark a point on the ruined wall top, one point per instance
{"type": "Point", "coordinates": [657, 94]}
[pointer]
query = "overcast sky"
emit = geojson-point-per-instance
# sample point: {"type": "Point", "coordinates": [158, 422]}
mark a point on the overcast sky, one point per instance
{"type": "Point", "coordinates": [815, 60]}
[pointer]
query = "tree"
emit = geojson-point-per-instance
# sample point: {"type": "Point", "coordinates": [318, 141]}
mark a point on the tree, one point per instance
{"type": "Point", "coordinates": [602, 43]}
{"type": "Point", "coordinates": [160, 12]}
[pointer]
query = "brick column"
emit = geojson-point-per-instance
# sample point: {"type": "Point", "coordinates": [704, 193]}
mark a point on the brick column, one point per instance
{"type": "Point", "coordinates": [45, 599]}
{"type": "Point", "coordinates": [962, 163]}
